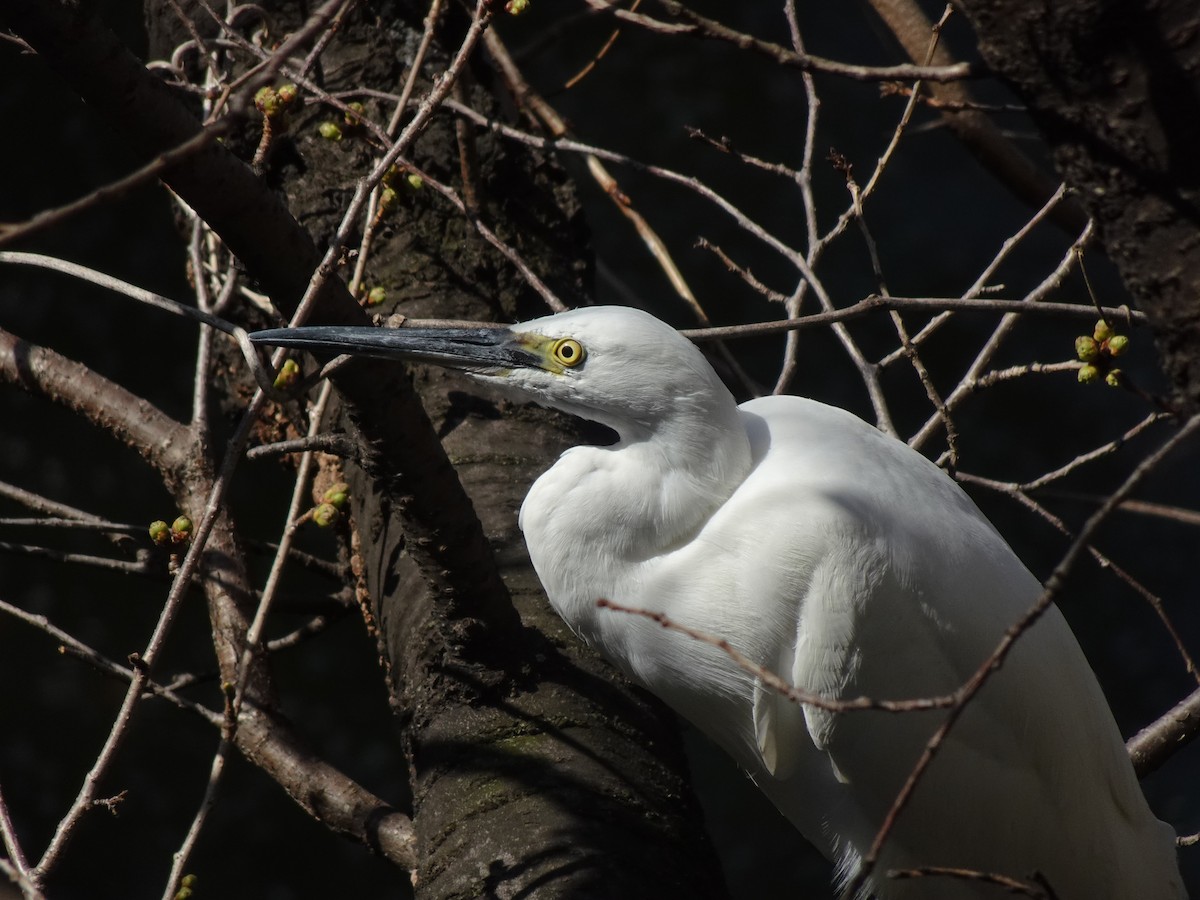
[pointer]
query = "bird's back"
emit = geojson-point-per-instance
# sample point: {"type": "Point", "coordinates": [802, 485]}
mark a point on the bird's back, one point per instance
{"type": "Point", "coordinates": [850, 566]}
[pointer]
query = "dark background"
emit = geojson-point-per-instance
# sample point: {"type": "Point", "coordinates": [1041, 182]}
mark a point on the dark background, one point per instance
{"type": "Point", "coordinates": [937, 219]}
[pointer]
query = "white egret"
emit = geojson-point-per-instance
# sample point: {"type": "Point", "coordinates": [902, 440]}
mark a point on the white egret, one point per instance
{"type": "Point", "coordinates": [838, 558]}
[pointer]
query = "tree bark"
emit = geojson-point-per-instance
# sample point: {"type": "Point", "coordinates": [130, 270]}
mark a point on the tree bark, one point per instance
{"type": "Point", "coordinates": [1114, 87]}
{"type": "Point", "coordinates": [533, 767]}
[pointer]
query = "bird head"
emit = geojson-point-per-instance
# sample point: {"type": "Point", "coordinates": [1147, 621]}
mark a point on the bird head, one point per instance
{"type": "Point", "coordinates": [610, 364]}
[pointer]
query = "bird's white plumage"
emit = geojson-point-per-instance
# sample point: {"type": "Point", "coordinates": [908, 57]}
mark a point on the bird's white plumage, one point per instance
{"type": "Point", "coordinates": [844, 562]}
{"type": "Point", "coordinates": [851, 566]}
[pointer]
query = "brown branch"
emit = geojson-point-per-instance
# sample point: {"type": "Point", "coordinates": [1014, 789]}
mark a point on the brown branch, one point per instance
{"type": "Point", "coordinates": [323, 791]}
{"type": "Point", "coordinates": [1010, 885]}
{"type": "Point", "coordinates": [876, 303]}
{"type": "Point", "coordinates": [1053, 587]}
{"type": "Point", "coordinates": [1163, 738]}
{"type": "Point", "coordinates": [12, 231]}
{"type": "Point", "coordinates": [995, 152]}
{"type": "Point", "coordinates": [152, 120]}
{"type": "Point", "coordinates": [341, 445]}
{"type": "Point", "coordinates": [703, 27]}
{"type": "Point", "coordinates": [777, 684]}
{"type": "Point", "coordinates": [162, 441]}
{"type": "Point", "coordinates": [1135, 172]}
{"type": "Point", "coordinates": [250, 218]}
{"type": "Point", "coordinates": [1017, 492]}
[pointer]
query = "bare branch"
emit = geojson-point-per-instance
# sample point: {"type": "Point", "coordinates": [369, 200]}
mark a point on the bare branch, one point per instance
{"type": "Point", "coordinates": [701, 26]}
{"type": "Point", "coordinates": [1162, 739]}
{"type": "Point", "coordinates": [777, 684]}
{"type": "Point", "coordinates": [13, 231]}
{"type": "Point", "coordinates": [968, 122]}
{"type": "Point", "coordinates": [1010, 885]}
{"type": "Point", "coordinates": [162, 441]}
{"type": "Point", "coordinates": [1053, 587]}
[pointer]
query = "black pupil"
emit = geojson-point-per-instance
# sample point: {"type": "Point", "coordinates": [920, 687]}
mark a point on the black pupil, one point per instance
{"type": "Point", "coordinates": [567, 351]}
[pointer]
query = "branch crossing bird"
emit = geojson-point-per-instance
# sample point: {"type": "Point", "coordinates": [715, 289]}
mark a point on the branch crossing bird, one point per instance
{"type": "Point", "coordinates": [837, 557]}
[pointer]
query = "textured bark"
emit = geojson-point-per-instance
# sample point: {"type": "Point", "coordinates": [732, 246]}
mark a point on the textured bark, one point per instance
{"type": "Point", "coordinates": [1114, 87]}
{"type": "Point", "coordinates": [533, 769]}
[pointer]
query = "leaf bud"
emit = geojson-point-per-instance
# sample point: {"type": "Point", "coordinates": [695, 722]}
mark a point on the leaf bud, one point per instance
{"type": "Point", "coordinates": [337, 495]}
{"type": "Point", "coordinates": [160, 531]}
{"type": "Point", "coordinates": [353, 115]}
{"type": "Point", "coordinates": [289, 374]}
{"type": "Point", "coordinates": [266, 101]}
{"type": "Point", "coordinates": [181, 529]}
{"type": "Point", "coordinates": [330, 131]}
{"type": "Point", "coordinates": [1088, 374]}
{"type": "Point", "coordinates": [1086, 348]}
{"type": "Point", "coordinates": [1102, 332]}
{"type": "Point", "coordinates": [1118, 344]}
{"type": "Point", "coordinates": [1114, 378]}
{"type": "Point", "coordinates": [325, 514]}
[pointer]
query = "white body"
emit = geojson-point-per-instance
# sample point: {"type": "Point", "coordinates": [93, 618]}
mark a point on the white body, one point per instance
{"type": "Point", "coordinates": [851, 566]}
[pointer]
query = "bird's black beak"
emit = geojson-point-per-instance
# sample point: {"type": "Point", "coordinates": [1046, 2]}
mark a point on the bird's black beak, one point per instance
{"type": "Point", "coordinates": [486, 349]}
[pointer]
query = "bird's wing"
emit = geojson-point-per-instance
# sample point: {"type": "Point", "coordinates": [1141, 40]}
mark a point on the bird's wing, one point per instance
{"type": "Point", "coordinates": [845, 517]}
{"type": "Point", "coordinates": [901, 590]}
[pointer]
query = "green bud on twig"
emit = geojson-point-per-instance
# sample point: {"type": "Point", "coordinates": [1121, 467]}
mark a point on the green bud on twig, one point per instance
{"type": "Point", "coordinates": [1088, 374]}
{"type": "Point", "coordinates": [1114, 378]}
{"type": "Point", "coordinates": [160, 531]}
{"type": "Point", "coordinates": [267, 102]}
{"type": "Point", "coordinates": [1086, 348]}
{"type": "Point", "coordinates": [330, 131]}
{"type": "Point", "coordinates": [288, 375]}
{"type": "Point", "coordinates": [1118, 344]}
{"type": "Point", "coordinates": [181, 530]}
{"type": "Point", "coordinates": [337, 495]}
{"type": "Point", "coordinates": [376, 295]}
{"type": "Point", "coordinates": [325, 514]}
{"type": "Point", "coordinates": [353, 115]}
{"type": "Point", "coordinates": [1103, 332]}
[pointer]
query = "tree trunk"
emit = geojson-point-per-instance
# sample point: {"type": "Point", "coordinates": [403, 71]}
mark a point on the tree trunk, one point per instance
{"type": "Point", "coordinates": [533, 766]}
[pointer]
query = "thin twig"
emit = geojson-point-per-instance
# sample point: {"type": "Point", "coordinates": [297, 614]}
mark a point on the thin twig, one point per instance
{"type": "Point", "coordinates": [700, 26]}
{"type": "Point", "coordinates": [1010, 885]}
{"type": "Point", "coordinates": [12, 845]}
{"type": "Point", "coordinates": [251, 645]}
{"type": "Point", "coordinates": [70, 644]}
{"type": "Point", "coordinates": [337, 444]}
{"type": "Point", "coordinates": [777, 684]}
{"type": "Point", "coordinates": [13, 231]}
{"type": "Point", "coordinates": [1092, 455]}
{"type": "Point", "coordinates": [995, 661]}
{"type": "Point", "coordinates": [1155, 602]}
{"type": "Point", "coordinates": [125, 567]}
{"type": "Point", "coordinates": [157, 301]}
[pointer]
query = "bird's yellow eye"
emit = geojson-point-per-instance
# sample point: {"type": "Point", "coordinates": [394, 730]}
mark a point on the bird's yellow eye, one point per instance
{"type": "Point", "coordinates": [568, 352]}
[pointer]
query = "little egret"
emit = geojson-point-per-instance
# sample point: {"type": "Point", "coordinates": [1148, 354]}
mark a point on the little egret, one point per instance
{"type": "Point", "coordinates": [837, 557]}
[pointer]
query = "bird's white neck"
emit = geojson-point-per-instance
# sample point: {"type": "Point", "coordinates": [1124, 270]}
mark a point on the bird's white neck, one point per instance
{"type": "Point", "coordinates": [601, 511]}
